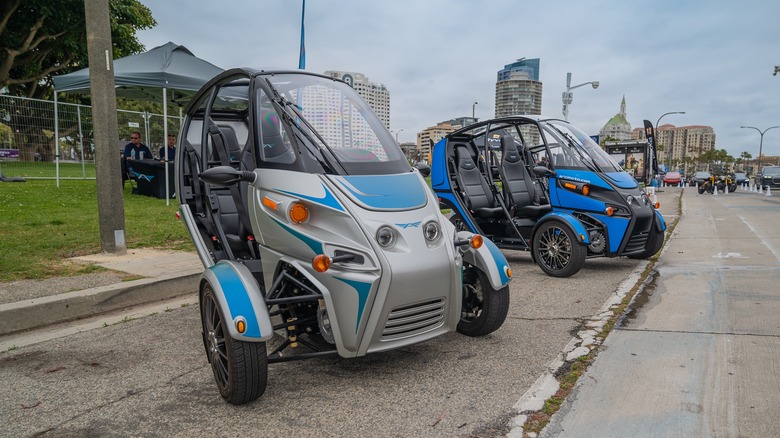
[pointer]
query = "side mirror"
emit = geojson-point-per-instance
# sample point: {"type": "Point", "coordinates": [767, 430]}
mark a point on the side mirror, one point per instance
{"type": "Point", "coordinates": [542, 171]}
{"type": "Point", "coordinates": [423, 168]}
{"type": "Point", "coordinates": [225, 176]}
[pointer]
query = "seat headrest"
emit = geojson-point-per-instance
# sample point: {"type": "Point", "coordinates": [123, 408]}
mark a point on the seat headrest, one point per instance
{"type": "Point", "coordinates": [464, 157]}
{"type": "Point", "coordinates": [509, 150]}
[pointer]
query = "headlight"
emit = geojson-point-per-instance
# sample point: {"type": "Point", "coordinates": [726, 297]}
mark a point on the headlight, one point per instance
{"type": "Point", "coordinates": [431, 231]}
{"type": "Point", "coordinates": [385, 237]}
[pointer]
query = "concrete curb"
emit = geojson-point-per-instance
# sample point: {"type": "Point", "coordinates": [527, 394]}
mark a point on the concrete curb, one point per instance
{"type": "Point", "coordinates": [40, 312]}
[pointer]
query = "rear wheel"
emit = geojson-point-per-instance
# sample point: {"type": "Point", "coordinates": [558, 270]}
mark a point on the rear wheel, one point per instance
{"type": "Point", "coordinates": [484, 309]}
{"type": "Point", "coordinates": [557, 250]}
{"type": "Point", "coordinates": [240, 368]}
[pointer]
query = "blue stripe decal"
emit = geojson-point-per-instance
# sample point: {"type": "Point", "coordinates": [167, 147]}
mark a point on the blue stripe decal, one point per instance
{"type": "Point", "coordinates": [328, 200]}
{"type": "Point", "coordinates": [497, 256]}
{"type": "Point", "coordinates": [400, 191]}
{"type": "Point", "coordinates": [237, 298]}
{"type": "Point", "coordinates": [363, 289]}
{"type": "Point", "coordinates": [311, 243]}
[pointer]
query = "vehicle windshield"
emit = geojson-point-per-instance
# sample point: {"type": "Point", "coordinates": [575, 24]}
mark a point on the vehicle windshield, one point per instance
{"type": "Point", "coordinates": [572, 148]}
{"type": "Point", "coordinates": [772, 171]}
{"type": "Point", "coordinates": [338, 123]}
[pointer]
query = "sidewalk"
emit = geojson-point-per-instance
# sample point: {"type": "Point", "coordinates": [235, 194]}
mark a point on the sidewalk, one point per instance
{"type": "Point", "coordinates": [141, 276]}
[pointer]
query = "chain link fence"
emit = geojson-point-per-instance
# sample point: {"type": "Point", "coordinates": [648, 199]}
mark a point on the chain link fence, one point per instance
{"type": "Point", "coordinates": [28, 148]}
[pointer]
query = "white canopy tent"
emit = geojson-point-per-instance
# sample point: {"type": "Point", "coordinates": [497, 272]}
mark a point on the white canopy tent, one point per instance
{"type": "Point", "coordinates": [146, 76]}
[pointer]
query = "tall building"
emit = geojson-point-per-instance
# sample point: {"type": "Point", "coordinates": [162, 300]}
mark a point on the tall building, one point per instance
{"type": "Point", "coordinates": [375, 94]}
{"type": "Point", "coordinates": [518, 90]}
{"type": "Point", "coordinates": [679, 144]}
{"type": "Point", "coordinates": [617, 128]}
{"type": "Point", "coordinates": [429, 136]}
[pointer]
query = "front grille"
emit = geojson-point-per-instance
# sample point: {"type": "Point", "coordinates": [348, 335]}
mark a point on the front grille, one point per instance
{"type": "Point", "coordinates": [413, 319]}
{"type": "Point", "coordinates": [636, 243]}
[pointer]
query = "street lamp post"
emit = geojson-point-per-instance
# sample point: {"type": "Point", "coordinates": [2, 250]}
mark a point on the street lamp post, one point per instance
{"type": "Point", "coordinates": [568, 95]}
{"type": "Point", "coordinates": [396, 134]}
{"type": "Point", "coordinates": [761, 144]}
{"type": "Point", "coordinates": [668, 153]}
{"type": "Point", "coordinates": [473, 107]}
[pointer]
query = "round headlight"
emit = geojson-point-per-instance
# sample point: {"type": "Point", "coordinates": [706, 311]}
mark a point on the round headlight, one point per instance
{"type": "Point", "coordinates": [385, 237]}
{"type": "Point", "coordinates": [629, 199]}
{"type": "Point", "coordinates": [431, 231]}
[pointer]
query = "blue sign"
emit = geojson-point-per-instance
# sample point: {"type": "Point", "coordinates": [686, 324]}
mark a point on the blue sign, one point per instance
{"type": "Point", "coordinates": [9, 153]}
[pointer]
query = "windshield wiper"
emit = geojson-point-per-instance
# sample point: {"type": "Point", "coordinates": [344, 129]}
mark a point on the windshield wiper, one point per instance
{"type": "Point", "coordinates": [584, 157]}
{"type": "Point", "coordinates": [294, 120]}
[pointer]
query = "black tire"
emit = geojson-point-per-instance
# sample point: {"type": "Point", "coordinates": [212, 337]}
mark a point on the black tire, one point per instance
{"type": "Point", "coordinates": [240, 368]}
{"type": "Point", "coordinates": [484, 309]}
{"type": "Point", "coordinates": [557, 250]}
{"type": "Point", "coordinates": [654, 243]}
{"type": "Point", "coordinates": [732, 188]}
{"type": "Point", "coordinates": [701, 188]}
{"type": "Point", "coordinates": [460, 224]}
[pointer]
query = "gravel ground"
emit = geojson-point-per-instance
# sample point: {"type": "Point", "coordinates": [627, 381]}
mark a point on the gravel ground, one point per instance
{"type": "Point", "coordinates": [21, 290]}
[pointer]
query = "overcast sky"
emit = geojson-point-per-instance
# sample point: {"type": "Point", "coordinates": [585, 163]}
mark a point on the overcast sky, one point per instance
{"type": "Point", "coordinates": [712, 59]}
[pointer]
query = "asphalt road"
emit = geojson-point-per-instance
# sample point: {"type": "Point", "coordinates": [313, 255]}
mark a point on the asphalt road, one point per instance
{"type": "Point", "coordinates": [149, 376]}
{"type": "Point", "coordinates": [699, 355]}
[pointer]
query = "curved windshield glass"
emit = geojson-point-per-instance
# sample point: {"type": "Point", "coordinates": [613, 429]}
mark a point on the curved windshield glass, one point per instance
{"type": "Point", "coordinates": [337, 121]}
{"type": "Point", "coordinates": [572, 148]}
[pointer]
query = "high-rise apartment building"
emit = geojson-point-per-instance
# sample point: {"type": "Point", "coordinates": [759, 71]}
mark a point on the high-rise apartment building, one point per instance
{"type": "Point", "coordinates": [429, 136]}
{"type": "Point", "coordinates": [680, 142]}
{"type": "Point", "coordinates": [375, 94]}
{"type": "Point", "coordinates": [518, 90]}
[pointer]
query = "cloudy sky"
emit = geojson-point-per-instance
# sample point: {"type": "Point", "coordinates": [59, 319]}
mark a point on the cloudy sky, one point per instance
{"type": "Point", "coordinates": [712, 59]}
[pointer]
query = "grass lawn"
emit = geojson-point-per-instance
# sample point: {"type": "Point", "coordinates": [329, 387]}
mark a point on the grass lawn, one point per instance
{"type": "Point", "coordinates": [43, 225]}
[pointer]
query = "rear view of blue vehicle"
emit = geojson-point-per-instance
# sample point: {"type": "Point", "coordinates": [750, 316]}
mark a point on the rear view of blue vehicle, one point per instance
{"type": "Point", "coordinates": [544, 186]}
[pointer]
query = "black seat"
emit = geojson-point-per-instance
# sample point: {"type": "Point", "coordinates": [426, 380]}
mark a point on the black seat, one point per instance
{"type": "Point", "coordinates": [474, 189]}
{"type": "Point", "coordinates": [518, 186]}
{"type": "Point", "coordinates": [230, 140]}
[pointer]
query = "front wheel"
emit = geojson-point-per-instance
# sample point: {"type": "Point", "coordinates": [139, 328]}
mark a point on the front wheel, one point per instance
{"type": "Point", "coordinates": [240, 368]}
{"type": "Point", "coordinates": [557, 251]}
{"type": "Point", "coordinates": [484, 309]}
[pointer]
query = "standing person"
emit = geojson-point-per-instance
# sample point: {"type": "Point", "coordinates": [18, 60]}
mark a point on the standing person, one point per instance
{"type": "Point", "coordinates": [168, 153]}
{"type": "Point", "coordinates": [135, 150]}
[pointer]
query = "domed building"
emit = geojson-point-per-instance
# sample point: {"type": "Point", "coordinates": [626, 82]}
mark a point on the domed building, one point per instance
{"type": "Point", "coordinates": [617, 128]}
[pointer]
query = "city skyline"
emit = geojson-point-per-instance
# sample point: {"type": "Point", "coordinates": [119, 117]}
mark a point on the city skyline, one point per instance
{"type": "Point", "coordinates": [714, 61]}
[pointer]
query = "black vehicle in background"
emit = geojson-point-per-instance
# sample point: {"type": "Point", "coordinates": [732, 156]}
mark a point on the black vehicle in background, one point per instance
{"type": "Point", "coordinates": [769, 177]}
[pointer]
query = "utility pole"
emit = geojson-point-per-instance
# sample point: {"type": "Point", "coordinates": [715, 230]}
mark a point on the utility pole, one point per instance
{"type": "Point", "coordinates": [111, 208]}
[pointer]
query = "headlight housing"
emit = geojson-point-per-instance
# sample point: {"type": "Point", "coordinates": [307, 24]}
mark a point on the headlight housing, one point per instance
{"type": "Point", "coordinates": [385, 236]}
{"type": "Point", "coordinates": [431, 231]}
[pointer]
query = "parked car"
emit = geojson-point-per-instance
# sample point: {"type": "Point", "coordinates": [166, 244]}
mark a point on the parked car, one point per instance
{"type": "Point", "coordinates": [544, 186]}
{"type": "Point", "coordinates": [672, 179]}
{"type": "Point", "coordinates": [316, 236]}
{"type": "Point", "coordinates": [741, 178]}
{"type": "Point", "coordinates": [769, 177]}
{"type": "Point", "coordinates": [700, 177]}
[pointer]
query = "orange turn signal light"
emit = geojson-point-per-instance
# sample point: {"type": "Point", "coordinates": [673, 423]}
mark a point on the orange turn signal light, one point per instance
{"type": "Point", "coordinates": [298, 212]}
{"type": "Point", "coordinates": [570, 186]}
{"type": "Point", "coordinates": [476, 241]}
{"type": "Point", "coordinates": [609, 211]}
{"type": "Point", "coordinates": [321, 263]}
{"type": "Point", "coordinates": [585, 190]}
{"type": "Point", "coordinates": [509, 272]}
{"type": "Point", "coordinates": [657, 205]}
{"type": "Point", "coordinates": [270, 203]}
{"type": "Point", "coordinates": [241, 326]}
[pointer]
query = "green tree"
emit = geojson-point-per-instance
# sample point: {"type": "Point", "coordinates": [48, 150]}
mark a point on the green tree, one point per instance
{"type": "Point", "coordinates": [41, 38]}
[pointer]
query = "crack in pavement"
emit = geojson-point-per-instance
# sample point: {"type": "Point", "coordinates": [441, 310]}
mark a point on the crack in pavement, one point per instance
{"type": "Point", "coordinates": [696, 332]}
